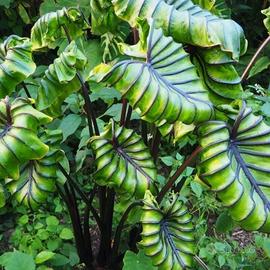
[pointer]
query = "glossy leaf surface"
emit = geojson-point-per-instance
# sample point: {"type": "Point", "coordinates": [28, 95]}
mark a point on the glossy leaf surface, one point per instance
{"type": "Point", "coordinates": [219, 74]}
{"type": "Point", "coordinates": [49, 29]}
{"type": "Point", "coordinates": [38, 177]}
{"type": "Point", "coordinates": [16, 63]}
{"type": "Point", "coordinates": [19, 123]}
{"type": "Point", "coordinates": [123, 161]}
{"type": "Point", "coordinates": [187, 23]}
{"type": "Point", "coordinates": [165, 86]}
{"type": "Point", "coordinates": [235, 163]}
{"type": "Point", "coordinates": [60, 80]}
{"type": "Point", "coordinates": [167, 235]}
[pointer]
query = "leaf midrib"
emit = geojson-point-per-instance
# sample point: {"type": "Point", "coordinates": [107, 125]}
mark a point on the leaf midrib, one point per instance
{"type": "Point", "coordinates": [248, 174]}
{"type": "Point", "coordinates": [121, 152]}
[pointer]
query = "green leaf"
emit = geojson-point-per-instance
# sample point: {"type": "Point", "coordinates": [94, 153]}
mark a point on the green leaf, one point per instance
{"type": "Point", "coordinates": [19, 123]}
{"type": "Point", "coordinates": [16, 63]}
{"type": "Point", "coordinates": [17, 260]}
{"type": "Point", "coordinates": [219, 74]}
{"type": "Point", "coordinates": [103, 18]}
{"type": "Point", "coordinates": [163, 87]}
{"type": "Point", "coordinates": [234, 163]}
{"type": "Point", "coordinates": [38, 177]}
{"type": "Point", "coordinates": [60, 80]}
{"type": "Point", "coordinates": [110, 43]}
{"type": "Point", "coordinates": [52, 221]}
{"type": "Point", "coordinates": [6, 3]}
{"type": "Point", "coordinates": [261, 64]}
{"type": "Point", "coordinates": [66, 234]}
{"type": "Point", "coordinates": [168, 160]}
{"type": "Point", "coordinates": [59, 260]}
{"type": "Point", "coordinates": [23, 220]}
{"type": "Point", "coordinates": [44, 256]}
{"type": "Point", "coordinates": [133, 261]}
{"type": "Point", "coordinates": [221, 260]}
{"type": "Point", "coordinates": [266, 21]}
{"type": "Point", "coordinates": [217, 7]}
{"type": "Point", "coordinates": [186, 23]}
{"type": "Point", "coordinates": [2, 197]}
{"type": "Point", "coordinates": [266, 247]}
{"type": "Point", "coordinates": [167, 235]}
{"type": "Point", "coordinates": [196, 188]}
{"type": "Point", "coordinates": [54, 244]}
{"type": "Point", "coordinates": [69, 125]}
{"type": "Point", "coordinates": [224, 223]}
{"type": "Point", "coordinates": [52, 5]}
{"type": "Point", "coordinates": [48, 29]}
{"type": "Point", "coordinates": [266, 109]}
{"type": "Point", "coordinates": [23, 14]}
{"type": "Point", "coordinates": [123, 161]}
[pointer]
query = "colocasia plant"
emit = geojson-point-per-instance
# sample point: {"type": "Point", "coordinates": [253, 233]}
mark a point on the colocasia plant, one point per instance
{"type": "Point", "coordinates": [172, 63]}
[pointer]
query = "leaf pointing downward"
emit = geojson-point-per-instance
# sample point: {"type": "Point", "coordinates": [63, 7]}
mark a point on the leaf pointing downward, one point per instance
{"type": "Point", "coordinates": [167, 235]}
{"type": "Point", "coordinates": [16, 63]}
{"type": "Point", "coordinates": [19, 143]}
{"type": "Point", "coordinates": [165, 86]}
{"type": "Point", "coordinates": [235, 163]}
{"type": "Point", "coordinates": [123, 161]}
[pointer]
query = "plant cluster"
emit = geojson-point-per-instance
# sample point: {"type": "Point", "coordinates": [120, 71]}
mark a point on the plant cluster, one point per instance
{"type": "Point", "coordinates": [137, 119]}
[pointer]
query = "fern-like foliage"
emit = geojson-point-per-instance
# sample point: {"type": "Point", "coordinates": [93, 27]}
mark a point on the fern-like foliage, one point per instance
{"type": "Point", "coordinates": [16, 63]}
{"type": "Point", "coordinates": [235, 163]}
{"type": "Point", "coordinates": [60, 80]}
{"type": "Point", "coordinates": [168, 233]}
{"type": "Point", "coordinates": [38, 177]}
{"type": "Point", "coordinates": [19, 123]}
{"type": "Point", "coordinates": [48, 31]}
{"type": "Point", "coordinates": [123, 162]}
{"type": "Point", "coordinates": [164, 86]}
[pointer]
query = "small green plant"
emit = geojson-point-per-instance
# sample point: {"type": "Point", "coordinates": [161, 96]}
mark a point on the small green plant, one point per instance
{"type": "Point", "coordinates": [138, 121]}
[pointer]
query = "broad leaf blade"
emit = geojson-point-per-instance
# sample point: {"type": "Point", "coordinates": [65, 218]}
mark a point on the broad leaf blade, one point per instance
{"type": "Point", "coordinates": [19, 123]}
{"type": "Point", "coordinates": [123, 162]}
{"type": "Point", "coordinates": [167, 235]}
{"type": "Point", "coordinates": [60, 80]}
{"type": "Point", "coordinates": [186, 23]}
{"type": "Point", "coordinates": [219, 75]}
{"type": "Point", "coordinates": [38, 177]}
{"type": "Point", "coordinates": [165, 86]}
{"type": "Point", "coordinates": [234, 163]}
{"type": "Point", "coordinates": [16, 63]}
{"type": "Point", "coordinates": [48, 31]}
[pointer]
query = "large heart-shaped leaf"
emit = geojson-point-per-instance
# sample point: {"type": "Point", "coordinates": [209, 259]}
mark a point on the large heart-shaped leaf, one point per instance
{"type": "Point", "coordinates": [164, 86]}
{"type": "Point", "coordinates": [60, 80]}
{"type": "Point", "coordinates": [19, 123]}
{"type": "Point", "coordinates": [16, 63]}
{"type": "Point", "coordinates": [38, 177]}
{"type": "Point", "coordinates": [168, 233]}
{"type": "Point", "coordinates": [48, 31]}
{"type": "Point", "coordinates": [235, 163]}
{"type": "Point", "coordinates": [123, 161]}
{"type": "Point", "coordinates": [187, 23]}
